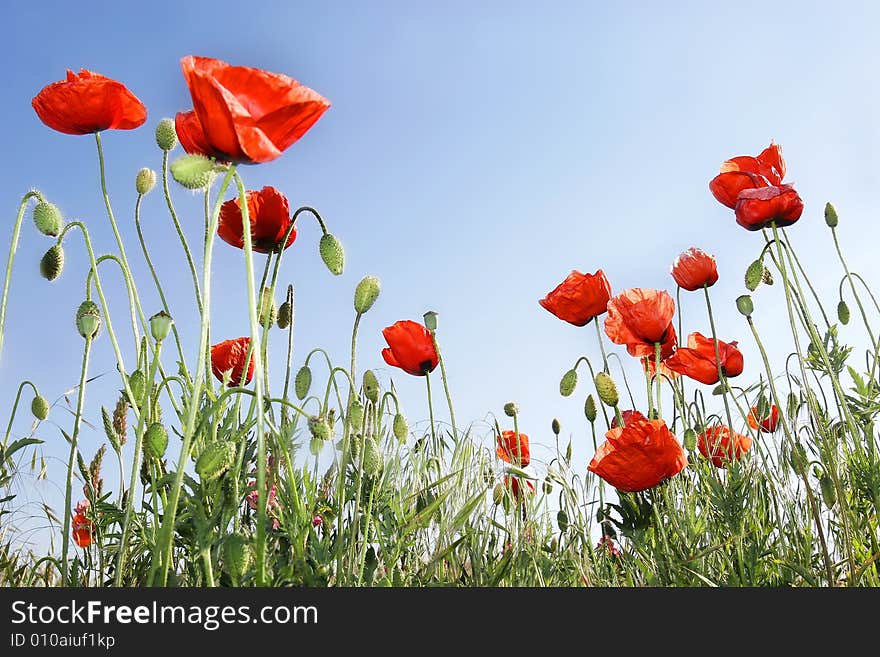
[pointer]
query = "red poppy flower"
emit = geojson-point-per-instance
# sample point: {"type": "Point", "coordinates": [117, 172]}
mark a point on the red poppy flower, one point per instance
{"type": "Point", "coordinates": [509, 451]}
{"type": "Point", "coordinates": [513, 484]}
{"type": "Point", "coordinates": [639, 318]}
{"type": "Point", "coordinates": [243, 114]}
{"type": "Point", "coordinates": [638, 456]}
{"type": "Point", "coordinates": [88, 102]}
{"type": "Point", "coordinates": [694, 268]}
{"type": "Point", "coordinates": [697, 360]}
{"type": "Point", "coordinates": [628, 416]}
{"type": "Point", "coordinates": [766, 424]}
{"type": "Point", "coordinates": [579, 298]}
{"type": "Point", "coordinates": [269, 214]}
{"type": "Point", "coordinates": [410, 347]}
{"type": "Point", "coordinates": [83, 530]}
{"type": "Point", "coordinates": [229, 356]}
{"type": "Point", "coordinates": [721, 445]}
{"type": "Point", "coordinates": [756, 208]}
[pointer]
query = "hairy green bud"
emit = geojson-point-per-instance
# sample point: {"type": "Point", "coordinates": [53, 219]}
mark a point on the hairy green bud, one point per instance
{"type": "Point", "coordinates": [166, 134]}
{"type": "Point", "coordinates": [40, 407]}
{"type": "Point", "coordinates": [332, 253]}
{"type": "Point", "coordinates": [215, 460]}
{"type": "Point", "coordinates": [145, 181]}
{"type": "Point", "coordinates": [155, 441]}
{"type": "Point", "coordinates": [52, 263]}
{"type": "Point", "coordinates": [568, 383]}
{"type": "Point", "coordinates": [192, 171]}
{"type": "Point", "coordinates": [365, 294]}
{"type": "Point", "coordinates": [88, 320]}
{"type": "Point", "coordinates": [47, 218]}
{"type": "Point", "coordinates": [606, 389]}
{"type": "Point", "coordinates": [302, 382]}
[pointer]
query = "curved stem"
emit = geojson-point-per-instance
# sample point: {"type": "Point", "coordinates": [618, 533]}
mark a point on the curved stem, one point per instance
{"type": "Point", "coordinates": [15, 408]}
{"type": "Point", "coordinates": [445, 387]}
{"type": "Point", "coordinates": [173, 213]}
{"type": "Point", "coordinates": [722, 377]}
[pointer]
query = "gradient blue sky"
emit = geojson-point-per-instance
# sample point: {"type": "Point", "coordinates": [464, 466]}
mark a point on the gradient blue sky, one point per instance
{"type": "Point", "coordinates": [474, 154]}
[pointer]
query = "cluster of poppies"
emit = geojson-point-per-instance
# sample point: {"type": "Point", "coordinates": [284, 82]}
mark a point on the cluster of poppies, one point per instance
{"type": "Point", "coordinates": [641, 452]}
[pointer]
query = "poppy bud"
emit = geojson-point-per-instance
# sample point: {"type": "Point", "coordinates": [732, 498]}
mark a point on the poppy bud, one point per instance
{"type": "Point", "coordinates": [830, 215]}
{"type": "Point", "coordinates": [430, 318]}
{"type": "Point", "coordinates": [52, 263]}
{"type": "Point", "coordinates": [754, 275]}
{"type": "Point", "coordinates": [829, 495]}
{"type": "Point", "coordinates": [285, 315]}
{"type": "Point", "coordinates": [606, 389]}
{"type": "Point", "coordinates": [88, 320]}
{"type": "Point", "coordinates": [166, 134]}
{"type": "Point", "coordinates": [356, 414]}
{"type": "Point", "coordinates": [145, 181]}
{"type": "Point", "coordinates": [215, 460]}
{"type": "Point", "coordinates": [371, 458]}
{"type": "Point", "coordinates": [320, 428]}
{"type": "Point", "coordinates": [792, 405]}
{"type": "Point", "coordinates": [155, 441]}
{"type": "Point", "coordinates": [137, 382]}
{"type": "Point", "coordinates": [302, 382]}
{"type": "Point", "coordinates": [365, 294]}
{"type": "Point", "coordinates": [268, 309]}
{"type": "Point", "coordinates": [160, 325]}
{"type": "Point", "coordinates": [843, 312]}
{"type": "Point", "coordinates": [498, 494]}
{"type": "Point", "coordinates": [590, 408]}
{"type": "Point", "coordinates": [400, 427]}
{"type": "Point", "coordinates": [192, 171]}
{"type": "Point", "coordinates": [371, 386]}
{"type": "Point", "coordinates": [562, 520]}
{"type": "Point", "coordinates": [47, 218]}
{"type": "Point", "coordinates": [554, 425]}
{"type": "Point", "coordinates": [744, 305]}
{"type": "Point", "coordinates": [547, 487]}
{"type": "Point", "coordinates": [40, 407]}
{"type": "Point", "coordinates": [332, 253]}
{"type": "Point", "coordinates": [798, 458]}
{"type": "Point", "coordinates": [690, 440]}
{"type": "Point", "coordinates": [511, 409]}
{"type": "Point", "coordinates": [236, 555]}
{"type": "Point", "coordinates": [568, 383]}
{"type": "Point", "coordinates": [568, 452]}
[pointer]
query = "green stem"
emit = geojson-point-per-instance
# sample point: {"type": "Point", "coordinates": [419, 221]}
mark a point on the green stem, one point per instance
{"type": "Point", "coordinates": [173, 213]}
{"type": "Point", "coordinates": [431, 413]}
{"type": "Point", "coordinates": [445, 387]}
{"type": "Point", "coordinates": [14, 409]}
{"type": "Point", "coordinates": [722, 377]}
{"type": "Point", "coordinates": [601, 346]}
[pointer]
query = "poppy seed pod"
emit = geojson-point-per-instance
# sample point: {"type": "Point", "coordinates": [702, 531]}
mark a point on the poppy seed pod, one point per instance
{"type": "Point", "coordinates": [155, 441]}
{"type": "Point", "coordinates": [215, 460]}
{"type": "Point", "coordinates": [145, 181]}
{"type": "Point", "coordinates": [166, 134]}
{"type": "Point", "coordinates": [285, 315]}
{"type": "Point", "coordinates": [320, 428]}
{"type": "Point", "coordinates": [315, 446]}
{"type": "Point", "coordinates": [430, 319]}
{"type": "Point", "coordinates": [332, 253]}
{"type": "Point", "coordinates": [40, 407]}
{"type": "Point", "coordinates": [568, 383]}
{"type": "Point", "coordinates": [400, 427]}
{"type": "Point", "coordinates": [365, 294]}
{"type": "Point", "coordinates": [52, 263]}
{"type": "Point", "coordinates": [371, 386]}
{"type": "Point", "coordinates": [830, 215]}
{"type": "Point", "coordinates": [843, 312]}
{"type": "Point", "coordinates": [192, 171]}
{"type": "Point", "coordinates": [744, 305]}
{"type": "Point", "coordinates": [754, 275]}
{"type": "Point", "coordinates": [590, 408]}
{"type": "Point", "coordinates": [236, 555]}
{"type": "Point", "coordinates": [606, 389]}
{"type": "Point", "coordinates": [555, 426]}
{"type": "Point", "coordinates": [302, 382]}
{"type": "Point", "coordinates": [511, 409]}
{"type": "Point", "coordinates": [88, 320]}
{"type": "Point", "coordinates": [47, 218]}
{"type": "Point", "coordinates": [160, 325]}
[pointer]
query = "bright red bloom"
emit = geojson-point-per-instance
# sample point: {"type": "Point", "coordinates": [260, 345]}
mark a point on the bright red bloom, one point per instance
{"type": "Point", "coordinates": [509, 451]}
{"type": "Point", "coordinates": [243, 114]}
{"type": "Point", "coordinates": [756, 208]}
{"type": "Point", "coordinates": [513, 484]}
{"type": "Point", "coordinates": [410, 347]}
{"type": "Point", "coordinates": [766, 424]}
{"type": "Point", "coordinates": [269, 214]}
{"type": "Point", "coordinates": [579, 298]}
{"type": "Point", "coordinates": [721, 445]}
{"type": "Point", "coordinates": [694, 268]}
{"type": "Point", "coordinates": [697, 360]}
{"type": "Point", "coordinates": [639, 318]}
{"type": "Point", "coordinates": [638, 456]}
{"type": "Point", "coordinates": [628, 416]}
{"type": "Point", "coordinates": [83, 530]}
{"type": "Point", "coordinates": [88, 102]}
{"type": "Point", "coordinates": [231, 355]}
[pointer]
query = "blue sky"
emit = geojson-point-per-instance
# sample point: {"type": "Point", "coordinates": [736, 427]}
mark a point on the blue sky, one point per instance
{"type": "Point", "coordinates": [474, 154]}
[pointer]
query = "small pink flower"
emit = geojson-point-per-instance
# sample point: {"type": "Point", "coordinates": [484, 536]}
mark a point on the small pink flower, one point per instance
{"type": "Point", "coordinates": [608, 543]}
{"type": "Point", "coordinates": [272, 504]}
{"type": "Point", "coordinates": [81, 507]}
{"type": "Point", "coordinates": [317, 521]}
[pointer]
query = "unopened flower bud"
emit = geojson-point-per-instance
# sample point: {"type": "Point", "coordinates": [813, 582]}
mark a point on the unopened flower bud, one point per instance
{"type": "Point", "coordinates": [606, 389]}
{"type": "Point", "coordinates": [315, 446]}
{"type": "Point", "coordinates": [690, 440]}
{"type": "Point", "coordinates": [555, 426]}
{"type": "Point", "coordinates": [511, 409]}
{"type": "Point", "coordinates": [371, 457]}
{"type": "Point", "coordinates": [356, 414]}
{"type": "Point", "coordinates": [88, 320]}
{"type": "Point", "coordinates": [40, 407]}
{"type": "Point", "coordinates": [798, 458]}
{"type": "Point", "coordinates": [137, 382]}
{"type": "Point", "coordinates": [830, 215]}
{"type": "Point", "coordinates": [754, 275]}
{"type": "Point", "coordinates": [430, 318]}
{"type": "Point", "coordinates": [52, 263]}
{"type": "Point", "coordinates": [155, 441]}
{"type": "Point", "coordinates": [400, 427]}
{"type": "Point", "coordinates": [371, 386]}
{"type": "Point", "coordinates": [590, 408]}
{"type": "Point", "coordinates": [365, 294]}
{"type": "Point", "coordinates": [236, 555]}
{"type": "Point", "coordinates": [47, 218]}
{"type": "Point", "coordinates": [268, 310]}
{"type": "Point", "coordinates": [160, 325]}
{"type": "Point", "coordinates": [320, 428]}
{"type": "Point", "coordinates": [192, 171]}
{"type": "Point", "coordinates": [829, 495]}
{"type": "Point", "coordinates": [332, 253]}
{"type": "Point", "coordinates": [562, 520]}
{"type": "Point", "coordinates": [843, 312]}
{"type": "Point", "coordinates": [547, 487]}
{"type": "Point", "coordinates": [215, 460]}
{"type": "Point", "coordinates": [302, 382]}
{"type": "Point", "coordinates": [285, 315]}
{"type": "Point", "coordinates": [568, 382]}
{"type": "Point", "coordinates": [166, 134]}
{"type": "Point", "coordinates": [145, 181]}
{"type": "Point", "coordinates": [744, 305]}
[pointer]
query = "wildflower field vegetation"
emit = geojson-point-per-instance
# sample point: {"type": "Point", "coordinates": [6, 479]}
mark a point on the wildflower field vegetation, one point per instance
{"type": "Point", "coordinates": [697, 477]}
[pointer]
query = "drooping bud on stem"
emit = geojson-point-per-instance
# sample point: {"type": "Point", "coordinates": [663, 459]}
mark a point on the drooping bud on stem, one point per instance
{"type": "Point", "coordinates": [400, 427]}
{"type": "Point", "coordinates": [590, 409]}
{"type": "Point", "coordinates": [568, 382]}
{"type": "Point", "coordinates": [843, 312]}
{"type": "Point", "coordinates": [47, 218]}
{"type": "Point", "coordinates": [511, 409]}
{"type": "Point", "coordinates": [40, 407]}
{"type": "Point", "coordinates": [302, 382]}
{"type": "Point", "coordinates": [52, 263]}
{"type": "Point", "coordinates": [754, 275]}
{"type": "Point", "coordinates": [332, 253]}
{"type": "Point", "coordinates": [88, 320]}
{"type": "Point", "coordinates": [606, 389]}
{"type": "Point", "coordinates": [192, 171]}
{"type": "Point", "coordinates": [320, 428]}
{"type": "Point", "coordinates": [371, 386]}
